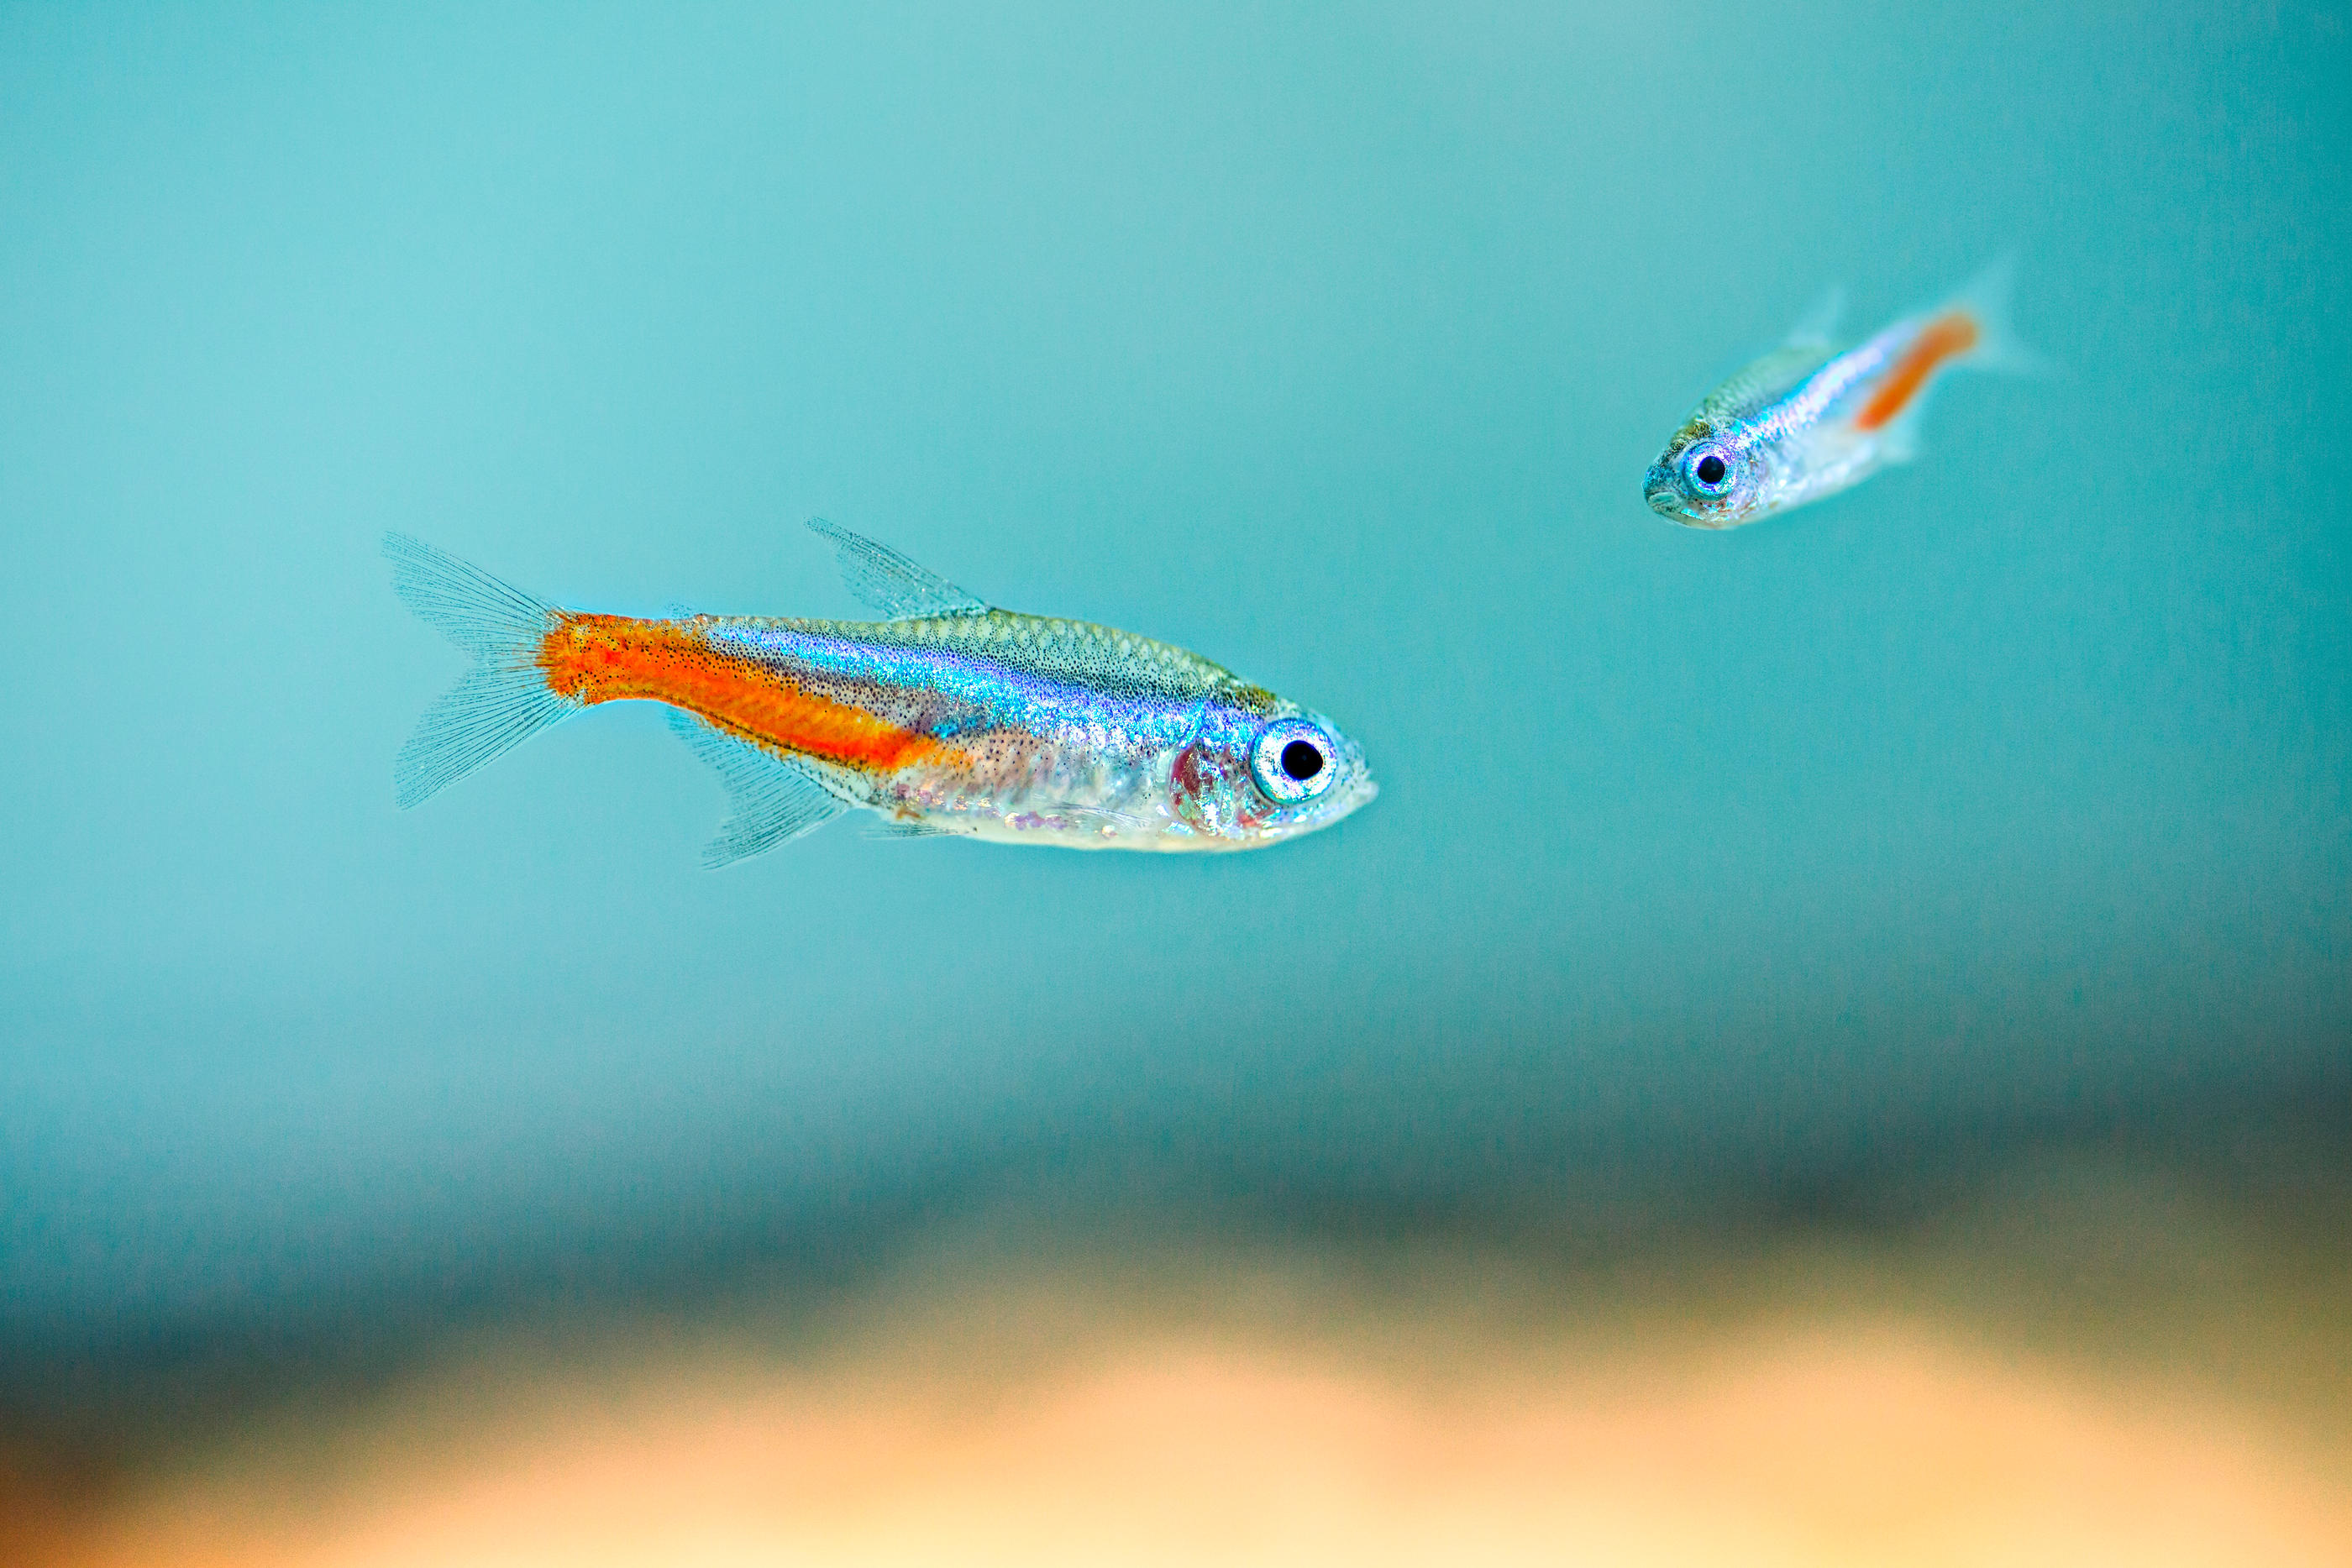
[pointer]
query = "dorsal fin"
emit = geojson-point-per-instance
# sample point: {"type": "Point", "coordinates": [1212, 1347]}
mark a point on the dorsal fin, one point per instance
{"type": "Point", "coordinates": [770, 802]}
{"type": "Point", "coordinates": [889, 584]}
{"type": "Point", "coordinates": [1817, 328]}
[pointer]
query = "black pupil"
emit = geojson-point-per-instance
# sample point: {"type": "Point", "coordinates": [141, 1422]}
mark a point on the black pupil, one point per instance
{"type": "Point", "coordinates": [1710, 469]}
{"type": "Point", "coordinates": [1301, 760]}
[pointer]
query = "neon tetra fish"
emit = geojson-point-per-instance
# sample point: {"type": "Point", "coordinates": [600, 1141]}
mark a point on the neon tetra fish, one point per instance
{"type": "Point", "coordinates": [1808, 418]}
{"type": "Point", "coordinates": [947, 717]}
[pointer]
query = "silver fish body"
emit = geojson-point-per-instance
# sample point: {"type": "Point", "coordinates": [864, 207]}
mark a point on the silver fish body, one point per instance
{"type": "Point", "coordinates": [1034, 729]}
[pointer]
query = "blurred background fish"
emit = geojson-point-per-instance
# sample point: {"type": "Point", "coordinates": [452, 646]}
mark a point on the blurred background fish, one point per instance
{"type": "Point", "coordinates": [1808, 418]}
{"type": "Point", "coordinates": [1830, 1047]}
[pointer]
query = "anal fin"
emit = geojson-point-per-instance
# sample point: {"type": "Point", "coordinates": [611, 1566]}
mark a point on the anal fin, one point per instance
{"type": "Point", "coordinates": [771, 801]}
{"type": "Point", "coordinates": [897, 830]}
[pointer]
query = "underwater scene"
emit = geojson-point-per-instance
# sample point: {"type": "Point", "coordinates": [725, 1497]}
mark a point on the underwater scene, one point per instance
{"type": "Point", "coordinates": [1709, 648]}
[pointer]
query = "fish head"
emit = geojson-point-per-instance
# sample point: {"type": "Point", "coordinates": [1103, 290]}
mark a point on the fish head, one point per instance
{"type": "Point", "coordinates": [1259, 770]}
{"type": "Point", "coordinates": [1709, 476]}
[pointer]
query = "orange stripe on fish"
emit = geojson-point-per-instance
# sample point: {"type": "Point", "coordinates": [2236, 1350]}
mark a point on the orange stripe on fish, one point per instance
{"type": "Point", "coordinates": [1940, 339]}
{"type": "Point", "coordinates": [610, 658]}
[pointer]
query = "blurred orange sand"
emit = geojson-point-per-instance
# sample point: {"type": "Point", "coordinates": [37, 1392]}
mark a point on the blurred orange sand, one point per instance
{"type": "Point", "coordinates": [1806, 1406]}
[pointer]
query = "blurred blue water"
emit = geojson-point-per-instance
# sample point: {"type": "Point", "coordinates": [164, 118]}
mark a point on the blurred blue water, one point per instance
{"type": "Point", "coordinates": [1332, 345]}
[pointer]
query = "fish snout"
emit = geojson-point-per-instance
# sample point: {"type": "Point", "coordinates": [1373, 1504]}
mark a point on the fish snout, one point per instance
{"type": "Point", "coordinates": [1658, 488]}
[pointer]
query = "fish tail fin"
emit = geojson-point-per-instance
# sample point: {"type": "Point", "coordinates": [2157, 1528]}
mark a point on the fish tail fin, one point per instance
{"type": "Point", "coordinates": [499, 703]}
{"type": "Point", "coordinates": [1971, 328]}
{"type": "Point", "coordinates": [1984, 300]}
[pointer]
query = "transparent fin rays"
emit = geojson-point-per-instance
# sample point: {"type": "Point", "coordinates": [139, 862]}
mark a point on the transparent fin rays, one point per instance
{"type": "Point", "coordinates": [889, 584]}
{"type": "Point", "coordinates": [498, 704]}
{"type": "Point", "coordinates": [771, 801]}
{"type": "Point", "coordinates": [1817, 328]}
{"type": "Point", "coordinates": [489, 711]}
{"type": "Point", "coordinates": [894, 831]}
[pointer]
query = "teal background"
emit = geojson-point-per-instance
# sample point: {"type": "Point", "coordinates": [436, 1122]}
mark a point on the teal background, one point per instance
{"type": "Point", "coordinates": [2005, 792]}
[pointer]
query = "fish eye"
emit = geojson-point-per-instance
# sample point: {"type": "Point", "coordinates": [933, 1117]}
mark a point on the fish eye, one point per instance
{"type": "Point", "coordinates": [1708, 469]}
{"type": "Point", "coordinates": [1291, 761]}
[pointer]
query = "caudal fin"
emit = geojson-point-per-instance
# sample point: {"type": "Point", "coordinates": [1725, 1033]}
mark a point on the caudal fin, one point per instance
{"type": "Point", "coordinates": [503, 700]}
{"type": "Point", "coordinates": [1984, 300]}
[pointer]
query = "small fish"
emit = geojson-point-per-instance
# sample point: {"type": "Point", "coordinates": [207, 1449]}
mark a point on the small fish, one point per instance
{"type": "Point", "coordinates": [946, 717]}
{"type": "Point", "coordinates": [1809, 419]}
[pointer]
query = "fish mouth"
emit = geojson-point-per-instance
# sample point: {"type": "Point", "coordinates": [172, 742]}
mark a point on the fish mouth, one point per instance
{"type": "Point", "coordinates": [1358, 793]}
{"type": "Point", "coordinates": [1359, 789]}
{"type": "Point", "coordinates": [1666, 499]}
{"type": "Point", "coordinates": [1659, 490]}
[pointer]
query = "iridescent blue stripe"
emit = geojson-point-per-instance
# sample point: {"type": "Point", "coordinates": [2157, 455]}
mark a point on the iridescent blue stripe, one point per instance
{"type": "Point", "coordinates": [1811, 398]}
{"type": "Point", "coordinates": [982, 694]}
